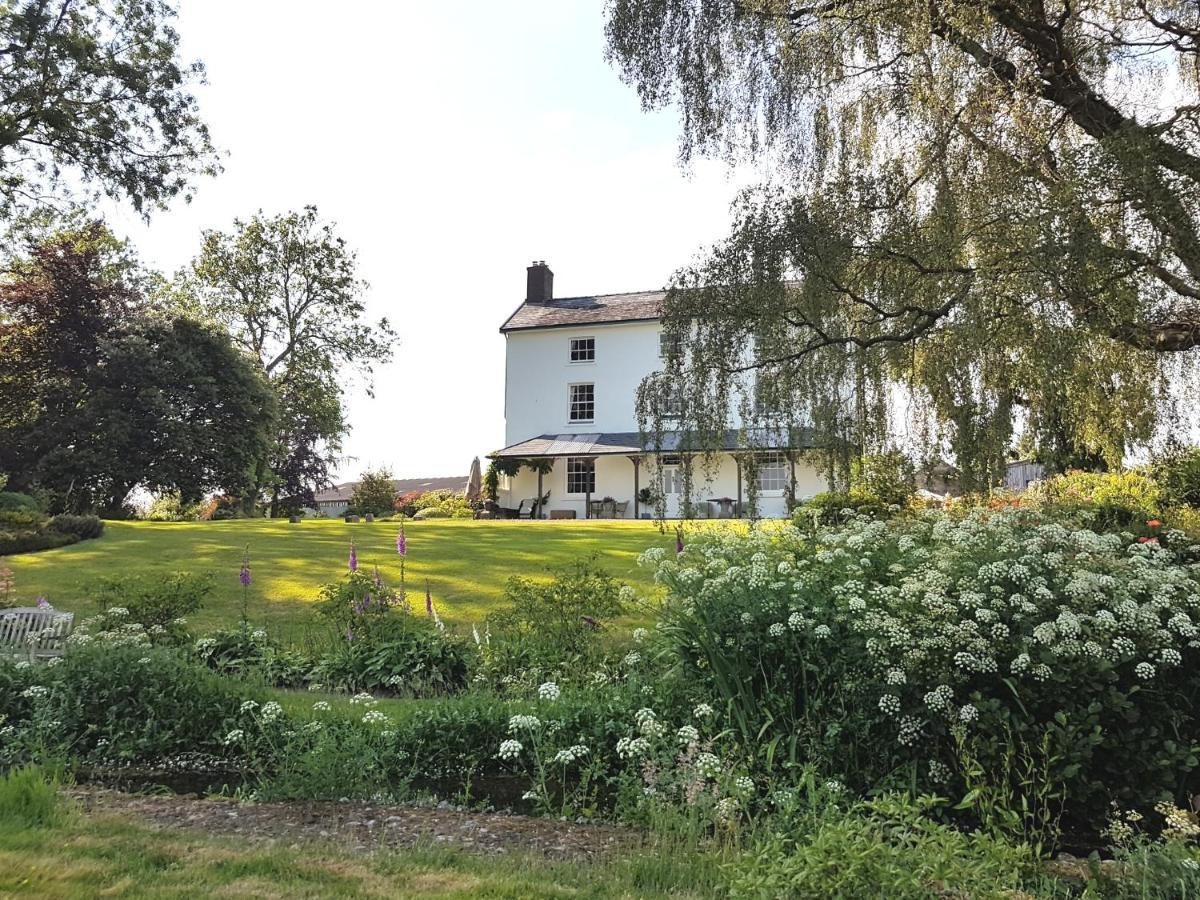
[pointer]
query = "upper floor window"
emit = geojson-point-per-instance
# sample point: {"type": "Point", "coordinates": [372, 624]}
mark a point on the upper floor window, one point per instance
{"type": "Point", "coordinates": [582, 403]}
{"type": "Point", "coordinates": [583, 349]}
{"type": "Point", "coordinates": [668, 345]}
{"type": "Point", "coordinates": [671, 402]}
{"type": "Point", "coordinates": [581, 475]}
{"type": "Point", "coordinates": [772, 472]}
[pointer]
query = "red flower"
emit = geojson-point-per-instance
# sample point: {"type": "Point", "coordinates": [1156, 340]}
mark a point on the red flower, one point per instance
{"type": "Point", "coordinates": [1147, 540]}
{"type": "Point", "coordinates": [1153, 523]}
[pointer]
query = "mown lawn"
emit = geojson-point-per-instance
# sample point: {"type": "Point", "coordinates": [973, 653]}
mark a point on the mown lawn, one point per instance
{"type": "Point", "coordinates": [114, 857]}
{"type": "Point", "coordinates": [466, 562]}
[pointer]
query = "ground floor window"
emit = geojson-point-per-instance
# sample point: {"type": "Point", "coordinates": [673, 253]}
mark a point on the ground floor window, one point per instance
{"type": "Point", "coordinates": [581, 475]}
{"type": "Point", "coordinates": [672, 475]}
{"type": "Point", "coordinates": [772, 472]}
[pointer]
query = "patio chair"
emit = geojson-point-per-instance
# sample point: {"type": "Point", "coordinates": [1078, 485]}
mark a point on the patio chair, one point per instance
{"type": "Point", "coordinates": [526, 508]}
{"type": "Point", "coordinates": [621, 506]}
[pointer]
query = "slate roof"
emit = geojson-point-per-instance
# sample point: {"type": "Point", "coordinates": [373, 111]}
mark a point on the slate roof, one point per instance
{"type": "Point", "coordinates": [629, 442]}
{"type": "Point", "coordinates": [340, 492]}
{"type": "Point", "coordinates": [641, 306]}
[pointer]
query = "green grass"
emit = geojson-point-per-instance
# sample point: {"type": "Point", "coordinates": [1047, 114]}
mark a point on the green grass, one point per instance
{"type": "Point", "coordinates": [466, 562]}
{"type": "Point", "coordinates": [116, 857]}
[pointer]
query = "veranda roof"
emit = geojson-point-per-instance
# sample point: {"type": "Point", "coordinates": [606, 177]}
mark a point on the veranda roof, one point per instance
{"type": "Point", "coordinates": [630, 443]}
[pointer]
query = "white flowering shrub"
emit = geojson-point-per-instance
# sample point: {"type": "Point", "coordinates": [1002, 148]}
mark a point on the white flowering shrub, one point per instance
{"type": "Point", "coordinates": [880, 649]}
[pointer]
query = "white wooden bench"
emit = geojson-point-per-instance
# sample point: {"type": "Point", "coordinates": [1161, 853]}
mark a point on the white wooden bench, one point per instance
{"type": "Point", "coordinates": [32, 633]}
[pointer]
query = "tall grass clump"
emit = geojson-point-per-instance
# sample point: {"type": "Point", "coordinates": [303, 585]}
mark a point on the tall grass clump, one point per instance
{"type": "Point", "coordinates": [29, 799]}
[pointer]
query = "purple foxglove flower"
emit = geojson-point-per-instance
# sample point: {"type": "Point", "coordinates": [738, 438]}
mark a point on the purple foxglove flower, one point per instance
{"type": "Point", "coordinates": [43, 603]}
{"type": "Point", "coordinates": [353, 557]}
{"type": "Point", "coordinates": [244, 575]}
{"type": "Point", "coordinates": [428, 600]}
{"type": "Point", "coordinates": [349, 635]}
{"type": "Point", "coordinates": [378, 579]}
{"type": "Point", "coordinates": [402, 542]}
{"type": "Point", "coordinates": [678, 542]}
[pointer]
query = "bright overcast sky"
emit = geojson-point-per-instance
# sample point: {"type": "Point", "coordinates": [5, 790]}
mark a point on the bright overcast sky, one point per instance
{"type": "Point", "coordinates": [452, 143]}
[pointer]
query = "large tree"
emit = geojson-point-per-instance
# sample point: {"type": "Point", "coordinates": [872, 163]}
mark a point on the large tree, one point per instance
{"type": "Point", "coordinates": [93, 94]}
{"type": "Point", "coordinates": [100, 393]}
{"type": "Point", "coordinates": [287, 288]}
{"type": "Point", "coordinates": [981, 213]}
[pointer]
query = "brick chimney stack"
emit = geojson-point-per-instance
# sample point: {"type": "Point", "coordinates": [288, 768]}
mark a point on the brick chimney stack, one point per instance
{"type": "Point", "coordinates": [540, 283]}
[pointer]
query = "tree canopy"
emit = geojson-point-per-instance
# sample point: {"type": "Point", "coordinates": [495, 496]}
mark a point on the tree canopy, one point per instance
{"type": "Point", "coordinates": [93, 93]}
{"type": "Point", "coordinates": [286, 287]}
{"type": "Point", "coordinates": [982, 216]}
{"type": "Point", "coordinates": [100, 392]}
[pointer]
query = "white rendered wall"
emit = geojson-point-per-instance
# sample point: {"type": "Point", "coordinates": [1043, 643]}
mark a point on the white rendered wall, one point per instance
{"type": "Point", "coordinates": [538, 372]}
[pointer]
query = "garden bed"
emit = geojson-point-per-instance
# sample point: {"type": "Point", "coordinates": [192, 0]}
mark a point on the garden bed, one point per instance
{"type": "Point", "coordinates": [363, 827]}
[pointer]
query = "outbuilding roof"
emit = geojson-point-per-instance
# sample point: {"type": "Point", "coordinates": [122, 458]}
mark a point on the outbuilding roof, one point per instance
{"type": "Point", "coordinates": [340, 492]}
{"type": "Point", "coordinates": [640, 306]}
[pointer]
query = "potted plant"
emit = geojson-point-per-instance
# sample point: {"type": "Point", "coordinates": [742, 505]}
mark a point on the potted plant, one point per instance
{"type": "Point", "coordinates": [645, 497]}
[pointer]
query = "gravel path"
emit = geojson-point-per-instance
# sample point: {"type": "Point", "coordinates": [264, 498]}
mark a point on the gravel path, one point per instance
{"type": "Point", "coordinates": [363, 827]}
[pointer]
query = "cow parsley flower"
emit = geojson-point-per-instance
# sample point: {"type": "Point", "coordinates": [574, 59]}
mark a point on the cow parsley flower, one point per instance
{"type": "Point", "coordinates": [776, 630]}
{"type": "Point", "coordinates": [703, 711]}
{"type": "Point", "coordinates": [233, 737]}
{"type": "Point", "coordinates": [549, 691]}
{"type": "Point", "coordinates": [889, 704]}
{"type": "Point", "coordinates": [321, 706]}
{"type": "Point", "coordinates": [523, 723]}
{"type": "Point", "coordinates": [708, 765]}
{"type": "Point", "coordinates": [271, 711]}
{"type": "Point", "coordinates": [687, 734]}
{"type": "Point", "coordinates": [1144, 671]}
{"type": "Point", "coordinates": [968, 713]}
{"type": "Point", "coordinates": [510, 749]}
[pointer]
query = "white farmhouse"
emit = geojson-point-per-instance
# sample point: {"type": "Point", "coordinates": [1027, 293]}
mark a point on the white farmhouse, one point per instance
{"type": "Point", "coordinates": [573, 366]}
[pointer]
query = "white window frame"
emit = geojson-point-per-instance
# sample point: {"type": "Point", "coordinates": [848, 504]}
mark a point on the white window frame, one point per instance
{"type": "Point", "coordinates": [777, 464]}
{"type": "Point", "coordinates": [662, 344]}
{"type": "Point", "coordinates": [572, 403]}
{"type": "Point", "coordinates": [671, 402]}
{"type": "Point", "coordinates": [580, 466]}
{"type": "Point", "coordinates": [571, 350]}
{"type": "Point", "coordinates": [672, 475]}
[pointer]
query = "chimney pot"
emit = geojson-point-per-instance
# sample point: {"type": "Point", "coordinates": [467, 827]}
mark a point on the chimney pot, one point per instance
{"type": "Point", "coordinates": [540, 283]}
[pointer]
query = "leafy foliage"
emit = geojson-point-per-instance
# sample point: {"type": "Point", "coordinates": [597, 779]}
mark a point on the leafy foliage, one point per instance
{"type": "Point", "coordinates": [165, 403]}
{"type": "Point", "coordinates": [988, 210]}
{"type": "Point", "coordinates": [94, 91]}
{"type": "Point", "coordinates": [552, 626]}
{"type": "Point", "coordinates": [375, 493]}
{"type": "Point", "coordinates": [287, 289]}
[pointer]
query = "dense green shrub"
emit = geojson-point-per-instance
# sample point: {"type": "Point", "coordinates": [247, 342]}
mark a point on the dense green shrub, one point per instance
{"type": "Point", "coordinates": [129, 702]}
{"type": "Point", "coordinates": [552, 627]}
{"type": "Point", "coordinates": [21, 520]}
{"type": "Point", "coordinates": [252, 653]}
{"type": "Point", "coordinates": [11, 501]}
{"type": "Point", "coordinates": [375, 642]}
{"type": "Point", "coordinates": [159, 603]}
{"type": "Point", "coordinates": [431, 512]}
{"type": "Point", "coordinates": [1114, 499]}
{"type": "Point", "coordinates": [1177, 472]}
{"type": "Point", "coordinates": [998, 656]}
{"type": "Point", "coordinates": [403, 655]}
{"type": "Point", "coordinates": [12, 542]}
{"type": "Point", "coordinates": [84, 527]}
{"type": "Point", "coordinates": [888, 477]}
{"type": "Point", "coordinates": [451, 504]}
